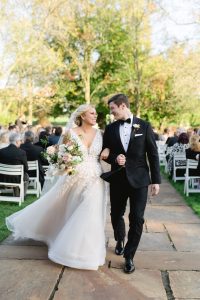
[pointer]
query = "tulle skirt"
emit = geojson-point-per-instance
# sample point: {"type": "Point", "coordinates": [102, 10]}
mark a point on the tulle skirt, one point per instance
{"type": "Point", "coordinates": [70, 219]}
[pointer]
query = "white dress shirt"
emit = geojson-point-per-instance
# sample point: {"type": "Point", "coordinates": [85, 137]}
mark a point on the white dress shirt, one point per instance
{"type": "Point", "coordinates": [125, 133]}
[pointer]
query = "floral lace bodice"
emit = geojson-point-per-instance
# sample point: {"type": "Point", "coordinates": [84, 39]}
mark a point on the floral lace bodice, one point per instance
{"type": "Point", "coordinates": [90, 166]}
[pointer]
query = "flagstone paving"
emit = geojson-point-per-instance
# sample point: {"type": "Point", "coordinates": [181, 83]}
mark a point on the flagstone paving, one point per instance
{"type": "Point", "coordinates": [167, 262]}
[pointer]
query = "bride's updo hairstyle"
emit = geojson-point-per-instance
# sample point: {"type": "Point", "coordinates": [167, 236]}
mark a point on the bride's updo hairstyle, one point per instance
{"type": "Point", "coordinates": [79, 112]}
{"type": "Point", "coordinates": [75, 118]}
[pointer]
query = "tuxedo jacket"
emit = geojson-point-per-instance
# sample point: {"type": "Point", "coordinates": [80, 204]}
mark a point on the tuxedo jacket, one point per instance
{"type": "Point", "coordinates": [141, 155]}
{"type": "Point", "coordinates": [12, 155]}
{"type": "Point", "coordinates": [34, 152]}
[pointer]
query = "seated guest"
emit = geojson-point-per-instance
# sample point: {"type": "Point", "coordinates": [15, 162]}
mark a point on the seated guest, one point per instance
{"type": "Point", "coordinates": [165, 135]}
{"type": "Point", "coordinates": [194, 153]}
{"type": "Point", "coordinates": [13, 155]}
{"type": "Point", "coordinates": [33, 152]}
{"type": "Point", "coordinates": [48, 130]}
{"type": "Point", "coordinates": [156, 135]}
{"type": "Point", "coordinates": [43, 140]}
{"type": "Point", "coordinates": [195, 131]}
{"type": "Point", "coordinates": [178, 148]}
{"type": "Point", "coordinates": [54, 138]}
{"type": "Point", "coordinates": [13, 128]}
{"type": "Point", "coordinates": [174, 139]}
{"type": "Point", "coordinates": [4, 139]}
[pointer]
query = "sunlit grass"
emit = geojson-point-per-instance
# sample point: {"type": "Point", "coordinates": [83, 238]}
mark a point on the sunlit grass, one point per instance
{"type": "Point", "coordinates": [8, 208]}
{"type": "Point", "coordinates": [193, 200]}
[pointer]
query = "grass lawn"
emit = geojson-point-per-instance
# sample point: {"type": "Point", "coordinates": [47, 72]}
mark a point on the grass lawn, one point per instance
{"type": "Point", "coordinates": [8, 208]}
{"type": "Point", "coordinates": [193, 200]}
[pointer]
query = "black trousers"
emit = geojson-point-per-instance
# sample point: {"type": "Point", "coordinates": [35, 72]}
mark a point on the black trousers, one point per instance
{"type": "Point", "coordinates": [120, 191]}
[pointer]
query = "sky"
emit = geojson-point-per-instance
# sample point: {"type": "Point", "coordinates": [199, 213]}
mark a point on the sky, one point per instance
{"type": "Point", "coordinates": [177, 22]}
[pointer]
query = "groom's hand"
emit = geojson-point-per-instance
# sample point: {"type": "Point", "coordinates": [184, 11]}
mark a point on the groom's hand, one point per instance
{"type": "Point", "coordinates": [155, 189]}
{"type": "Point", "coordinates": [121, 160]}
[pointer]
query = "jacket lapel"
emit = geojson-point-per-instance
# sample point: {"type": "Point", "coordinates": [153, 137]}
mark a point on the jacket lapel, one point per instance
{"type": "Point", "coordinates": [132, 133]}
{"type": "Point", "coordinates": [117, 132]}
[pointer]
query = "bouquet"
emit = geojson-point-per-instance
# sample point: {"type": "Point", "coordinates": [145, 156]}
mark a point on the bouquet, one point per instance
{"type": "Point", "coordinates": [63, 158]}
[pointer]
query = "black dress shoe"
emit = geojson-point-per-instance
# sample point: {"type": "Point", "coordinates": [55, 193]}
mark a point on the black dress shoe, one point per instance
{"type": "Point", "coordinates": [119, 249]}
{"type": "Point", "coordinates": [129, 266]}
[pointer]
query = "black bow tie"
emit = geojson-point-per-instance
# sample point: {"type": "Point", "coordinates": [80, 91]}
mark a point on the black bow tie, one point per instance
{"type": "Point", "coordinates": [125, 121]}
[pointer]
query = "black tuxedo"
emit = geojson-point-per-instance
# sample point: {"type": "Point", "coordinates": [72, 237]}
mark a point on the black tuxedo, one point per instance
{"type": "Point", "coordinates": [12, 155]}
{"type": "Point", "coordinates": [140, 148]}
{"type": "Point", "coordinates": [34, 152]}
{"type": "Point", "coordinates": [132, 180]}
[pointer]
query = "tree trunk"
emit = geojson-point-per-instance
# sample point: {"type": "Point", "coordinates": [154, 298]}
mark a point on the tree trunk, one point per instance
{"type": "Point", "coordinates": [30, 110]}
{"type": "Point", "coordinates": [87, 87]}
{"type": "Point", "coordinates": [30, 102]}
{"type": "Point", "coordinates": [87, 68]}
{"type": "Point", "coordinates": [42, 118]}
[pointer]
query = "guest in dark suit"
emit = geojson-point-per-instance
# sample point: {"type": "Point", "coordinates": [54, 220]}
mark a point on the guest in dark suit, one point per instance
{"type": "Point", "coordinates": [156, 135]}
{"type": "Point", "coordinates": [13, 155]}
{"type": "Point", "coordinates": [172, 140]}
{"type": "Point", "coordinates": [43, 140]}
{"type": "Point", "coordinates": [194, 153]}
{"type": "Point", "coordinates": [130, 141]}
{"type": "Point", "coordinates": [33, 152]}
{"type": "Point", "coordinates": [54, 138]}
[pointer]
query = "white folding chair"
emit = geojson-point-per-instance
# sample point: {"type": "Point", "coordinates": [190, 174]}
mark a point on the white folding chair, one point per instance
{"type": "Point", "coordinates": [45, 167]}
{"type": "Point", "coordinates": [7, 187]}
{"type": "Point", "coordinates": [162, 154]}
{"type": "Point", "coordinates": [34, 183]}
{"type": "Point", "coordinates": [179, 163]}
{"type": "Point", "coordinates": [190, 186]}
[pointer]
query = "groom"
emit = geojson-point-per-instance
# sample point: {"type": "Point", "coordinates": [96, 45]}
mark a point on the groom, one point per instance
{"type": "Point", "coordinates": [132, 151]}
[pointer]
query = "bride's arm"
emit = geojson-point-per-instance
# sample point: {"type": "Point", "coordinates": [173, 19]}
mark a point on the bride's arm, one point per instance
{"type": "Point", "coordinates": [111, 159]}
{"type": "Point", "coordinates": [105, 153]}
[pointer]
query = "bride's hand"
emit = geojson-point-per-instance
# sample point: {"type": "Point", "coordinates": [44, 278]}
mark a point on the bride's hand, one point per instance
{"type": "Point", "coordinates": [105, 153]}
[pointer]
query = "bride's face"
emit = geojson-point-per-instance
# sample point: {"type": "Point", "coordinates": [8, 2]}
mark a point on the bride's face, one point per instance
{"type": "Point", "coordinates": [90, 116]}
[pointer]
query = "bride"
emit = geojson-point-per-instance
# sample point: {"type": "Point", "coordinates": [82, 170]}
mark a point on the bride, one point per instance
{"type": "Point", "coordinates": [70, 217]}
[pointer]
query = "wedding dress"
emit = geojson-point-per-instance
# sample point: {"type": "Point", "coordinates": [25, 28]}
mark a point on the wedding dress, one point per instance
{"type": "Point", "coordinates": [70, 217]}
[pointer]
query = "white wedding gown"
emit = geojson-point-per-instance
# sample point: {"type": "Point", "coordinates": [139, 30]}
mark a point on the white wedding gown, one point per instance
{"type": "Point", "coordinates": [70, 217]}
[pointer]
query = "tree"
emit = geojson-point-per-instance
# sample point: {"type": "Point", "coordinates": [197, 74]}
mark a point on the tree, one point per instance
{"type": "Point", "coordinates": [32, 63]}
{"type": "Point", "coordinates": [136, 16]}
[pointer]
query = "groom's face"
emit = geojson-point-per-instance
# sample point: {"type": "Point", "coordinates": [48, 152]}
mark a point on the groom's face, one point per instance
{"type": "Point", "coordinates": [118, 112]}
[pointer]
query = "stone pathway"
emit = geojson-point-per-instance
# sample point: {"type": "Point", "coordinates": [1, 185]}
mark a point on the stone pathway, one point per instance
{"type": "Point", "coordinates": [167, 262]}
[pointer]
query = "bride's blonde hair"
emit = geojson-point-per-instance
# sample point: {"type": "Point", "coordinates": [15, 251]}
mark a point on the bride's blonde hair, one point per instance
{"type": "Point", "coordinates": [79, 112]}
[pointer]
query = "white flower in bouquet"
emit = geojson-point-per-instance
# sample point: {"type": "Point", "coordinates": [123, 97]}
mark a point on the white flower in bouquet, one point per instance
{"type": "Point", "coordinates": [77, 158]}
{"type": "Point", "coordinates": [70, 148]}
{"type": "Point", "coordinates": [51, 150]}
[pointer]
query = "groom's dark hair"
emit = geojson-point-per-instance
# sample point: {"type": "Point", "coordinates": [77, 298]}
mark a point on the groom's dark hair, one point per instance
{"type": "Point", "coordinates": [119, 99]}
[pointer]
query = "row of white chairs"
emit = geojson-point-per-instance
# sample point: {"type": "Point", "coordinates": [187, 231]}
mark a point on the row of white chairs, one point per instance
{"type": "Point", "coordinates": [7, 187]}
{"type": "Point", "coordinates": [191, 183]}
